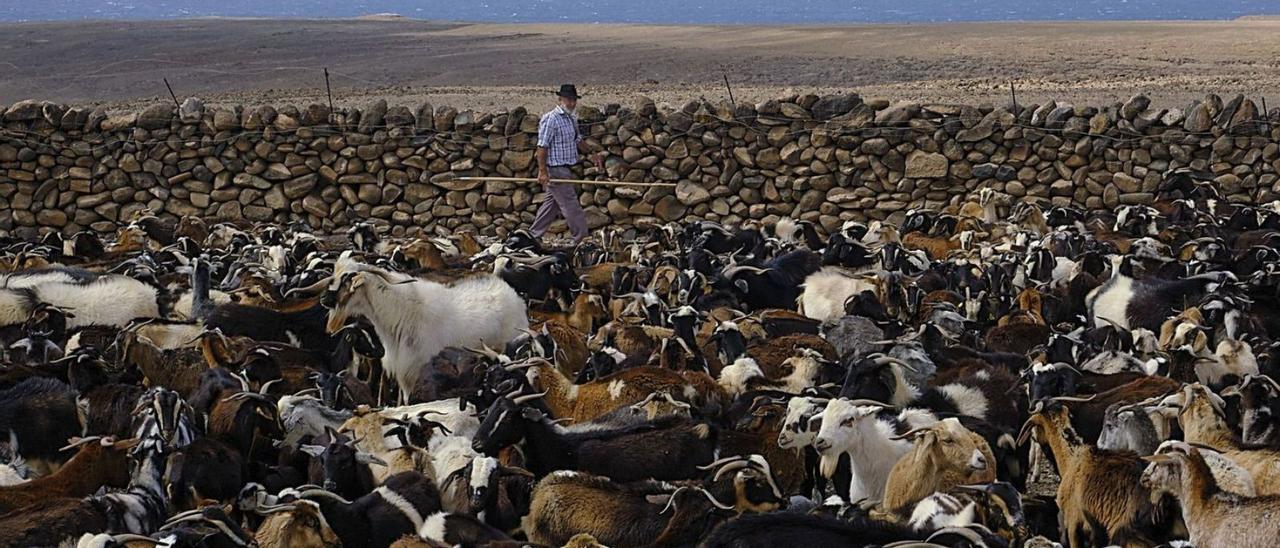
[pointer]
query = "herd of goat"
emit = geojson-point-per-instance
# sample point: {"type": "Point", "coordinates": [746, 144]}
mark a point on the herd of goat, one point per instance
{"type": "Point", "coordinates": [996, 374]}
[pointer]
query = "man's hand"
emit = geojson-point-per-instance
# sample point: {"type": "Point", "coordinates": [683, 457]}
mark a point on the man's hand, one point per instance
{"type": "Point", "coordinates": [599, 157]}
{"type": "Point", "coordinates": [544, 177]}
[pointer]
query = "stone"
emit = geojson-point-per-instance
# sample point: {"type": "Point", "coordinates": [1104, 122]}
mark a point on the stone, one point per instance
{"type": "Point", "coordinates": [691, 194]}
{"type": "Point", "coordinates": [517, 160]}
{"type": "Point", "coordinates": [669, 208]}
{"type": "Point", "coordinates": [768, 158]}
{"type": "Point", "coordinates": [1199, 119]}
{"type": "Point", "coordinates": [1126, 183]}
{"type": "Point", "coordinates": [298, 187]}
{"type": "Point", "coordinates": [926, 165]}
{"type": "Point", "coordinates": [372, 117]}
{"type": "Point", "coordinates": [830, 106]}
{"type": "Point", "coordinates": [1134, 106]}
{"type": "Point", "coordinates": [225, 120]}
{"type": "Point", "coordinates": [191, 111]}
{"type": "Point", "coordinates": [24, 111]}
{"type": "Point", "coordinates": [51, 217]}
{"type": "Point", "coordinates": [275, 198]}
{"type": "Point", "coordinates": [155, 117]}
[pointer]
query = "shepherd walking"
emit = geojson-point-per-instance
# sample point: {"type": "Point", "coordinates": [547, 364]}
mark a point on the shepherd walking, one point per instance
{"type": "Point", "coordinates": [558, 145]}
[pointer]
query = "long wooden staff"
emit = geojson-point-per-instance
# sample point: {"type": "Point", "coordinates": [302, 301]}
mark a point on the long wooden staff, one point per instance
{"type": "Point", "coordinates": [562, 181]}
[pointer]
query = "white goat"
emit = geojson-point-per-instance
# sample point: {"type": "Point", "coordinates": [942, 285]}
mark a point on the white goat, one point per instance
{"type": "Point", "coordinates": [826, 291]}
{"type": "Point", "coordinates": [853, 427]}
{"type": "Point", "coordinates": [415, 319]}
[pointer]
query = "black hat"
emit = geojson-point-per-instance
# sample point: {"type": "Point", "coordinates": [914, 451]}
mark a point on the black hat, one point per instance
{"type": "Point", "coordinates": [568, 90]}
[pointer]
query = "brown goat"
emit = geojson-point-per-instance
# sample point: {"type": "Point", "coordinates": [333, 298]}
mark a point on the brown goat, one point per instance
{"type": "Point", "coordinates": [944, 455]}
{"type": "Point", "coordinates": [299, 523]}
{"type": "Point", "coordinates": [1203, 421]}
{"type": "Point", "coordinates": [1099, 499]}
{"type": "Point", "coordinates": [1214, 517]}
{"type": "Point", "coordinates": [584, 402]}
{"type": "Point", "coordinates": [99, 463]}
{"type": "Point", "coordinates": [587, 311]}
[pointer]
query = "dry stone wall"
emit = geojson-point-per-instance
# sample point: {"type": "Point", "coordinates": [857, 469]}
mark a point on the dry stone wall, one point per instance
{"type": "Point", "coordinates": [827, 159]}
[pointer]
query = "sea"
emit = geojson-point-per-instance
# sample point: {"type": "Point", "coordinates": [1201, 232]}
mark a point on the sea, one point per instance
{"type": "Point", "coordinates": [744, 12]}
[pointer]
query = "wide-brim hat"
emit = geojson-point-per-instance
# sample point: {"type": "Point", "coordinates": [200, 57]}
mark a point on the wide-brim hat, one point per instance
{"type": "Point", "coordinates": [568, 90]}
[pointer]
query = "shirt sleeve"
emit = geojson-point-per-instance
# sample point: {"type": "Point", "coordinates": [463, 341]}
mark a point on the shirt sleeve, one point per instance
{"type": "Point", "coordinates": [544, 132]}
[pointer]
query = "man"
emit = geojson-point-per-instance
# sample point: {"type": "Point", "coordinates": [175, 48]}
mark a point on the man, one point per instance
{"type": "Point", "coordinates": [558, 145]}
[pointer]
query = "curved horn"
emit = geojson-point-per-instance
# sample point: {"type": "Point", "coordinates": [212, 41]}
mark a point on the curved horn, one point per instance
{"type": "Point", "coordinates": [527, 397]}
{"type": "Point", "coordinates": [311, 290]}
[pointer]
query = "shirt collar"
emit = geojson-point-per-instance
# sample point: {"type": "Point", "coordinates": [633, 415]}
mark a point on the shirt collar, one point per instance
{"type": "Point", "coordinates": [560, 109]}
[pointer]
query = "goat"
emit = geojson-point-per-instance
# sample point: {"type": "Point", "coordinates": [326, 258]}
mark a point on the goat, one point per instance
{"type": "Point", "coordinates": [869, 434]}
{"type": "Point", "coordinates": [827, 290]}
{"type": "Point", "coordinates": [585, 402]}
{"type": "Point", "coordinates": [1099, 500]}
{"type": "Point", "coordinates": [98, 462]}
{"type": "Point", "coordinates": [1201, 415]}
{"type": "Point", "coordinates": [1214, 517]}
{"type": "Point", "coordinates": [942, 456]}
{"type": "Point", "coordinates": [415, 319]}
{"type": "Point", "coordinates": [617, 514]}
{"type": "Point", "coordinates": [299, 523]}
{"type": "Point", "coordinates": [41, 414]}
{"type": "Point", "coordinates": [1128, 302]}
{"type": "Point", "coordinates": [677, 446]}
{"type": "Point", "coordinates": [398, 507]}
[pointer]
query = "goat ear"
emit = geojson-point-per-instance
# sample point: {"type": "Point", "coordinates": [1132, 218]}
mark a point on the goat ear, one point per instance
{"type": "Point", "coordinates": [369, 458]}
{"type": "Point", "coordinates": [313, 450]}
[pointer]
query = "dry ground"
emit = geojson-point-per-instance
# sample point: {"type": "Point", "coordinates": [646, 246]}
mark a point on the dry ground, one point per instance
{"type": "Point", "coordinates": [484, 66]}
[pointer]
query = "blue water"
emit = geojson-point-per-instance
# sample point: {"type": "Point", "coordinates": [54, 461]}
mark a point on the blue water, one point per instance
{"type": "Point", "coordinates": [649, 11]}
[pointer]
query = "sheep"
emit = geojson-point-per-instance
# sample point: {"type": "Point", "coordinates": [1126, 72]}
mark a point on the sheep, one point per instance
{"type": "Point", "coordinates": [1214, 516]}
{"type": "Point", "coordinates": [943, 456]}
{"type": "Point", "coordinates": [415, 319]}
{"type": "Point", "coordinates": [1098, 498]}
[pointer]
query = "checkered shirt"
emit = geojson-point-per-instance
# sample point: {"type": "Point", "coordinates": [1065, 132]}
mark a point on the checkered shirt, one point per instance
{"type": "Point", "coordinates": [558, 133]}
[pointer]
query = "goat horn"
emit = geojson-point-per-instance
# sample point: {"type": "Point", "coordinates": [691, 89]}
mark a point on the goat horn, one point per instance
{"type": "Point", "coordinates": [720, 462]}
{"type": "Point", "coordinates": [882, 359]}
{"type": "Point", "coordinates": [862, 402]}
{"type": "Point", "coordinates": [671, 499]}
{"type": "Point", "coordinates": [1025, 433]}
{"type": "Point", "coordinates": [311, 290]}
{"type": "Point", "coordinates": [1073, 398]}
{"type": "Point", "coordinates": [77, 442]}
{"type": "Point", "coordinates": [768, 473]}
{"type": "Point", "coordinates": [712, 499]}
{"type": "Point", "coordinates": [730, 467]}
{"type": "Point", "coordinates": [528, 397]}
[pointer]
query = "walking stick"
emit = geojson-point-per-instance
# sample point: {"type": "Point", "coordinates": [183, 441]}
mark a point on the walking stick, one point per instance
{"type": "Point", "coordinates": [562, 181]}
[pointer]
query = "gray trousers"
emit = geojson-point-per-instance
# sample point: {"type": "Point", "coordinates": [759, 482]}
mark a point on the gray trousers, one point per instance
{"type": "Point", "coordinates": [560, 200]}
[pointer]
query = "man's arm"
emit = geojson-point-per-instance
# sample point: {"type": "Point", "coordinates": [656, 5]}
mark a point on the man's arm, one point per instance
{"type": "Point", "coordinates": [544, 174]}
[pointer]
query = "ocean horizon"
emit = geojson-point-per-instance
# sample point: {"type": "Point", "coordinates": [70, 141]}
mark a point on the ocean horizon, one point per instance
{"type": "Point", "coordinates": [652, 11]}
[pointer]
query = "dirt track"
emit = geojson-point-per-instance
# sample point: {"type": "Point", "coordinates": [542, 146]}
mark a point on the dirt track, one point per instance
{"type": "Point", "coordinates": [488, 65]}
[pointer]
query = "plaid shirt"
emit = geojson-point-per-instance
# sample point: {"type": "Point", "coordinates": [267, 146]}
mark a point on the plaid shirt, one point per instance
{"type": "Point", "coordinates": [558, 133]}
